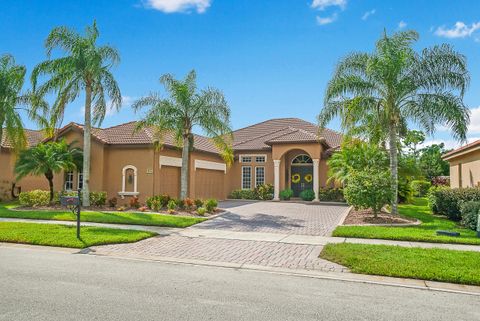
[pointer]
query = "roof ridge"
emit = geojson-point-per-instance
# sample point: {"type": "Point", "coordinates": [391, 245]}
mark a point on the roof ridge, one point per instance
{"type": "Point", "coordinates": [123, 124]}
{"type": "Point", "coordinates": [262, 122]}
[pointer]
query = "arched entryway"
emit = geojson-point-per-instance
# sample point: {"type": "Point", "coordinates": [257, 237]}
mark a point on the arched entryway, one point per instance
{"type": "Point", "coordinates": [301, 177]}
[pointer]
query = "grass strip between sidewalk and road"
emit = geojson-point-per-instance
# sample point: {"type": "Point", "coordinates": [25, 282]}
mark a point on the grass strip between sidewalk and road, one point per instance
{"type": "Point", "coordinates": [103, 217]}
{"type": "Point", "coordinates": [65, 236]}
{"type": "Point", "coordinates": [461, 267]}
{"type": "Point", "coordinates": [425, 232]}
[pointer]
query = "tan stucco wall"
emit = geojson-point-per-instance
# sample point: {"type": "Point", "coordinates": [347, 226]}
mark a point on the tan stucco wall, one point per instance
{"type": "Point", "coordinates": [235, 172]}
{"type": "Point", "coordinates": [465, 170]}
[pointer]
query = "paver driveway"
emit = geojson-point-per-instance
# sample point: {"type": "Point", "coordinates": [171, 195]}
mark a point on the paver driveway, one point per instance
{"type": "Point", "coordinates": [277, 217]}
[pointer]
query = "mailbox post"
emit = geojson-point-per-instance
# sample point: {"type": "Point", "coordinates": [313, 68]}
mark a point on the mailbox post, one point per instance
{"type": "Point", "coordinates": [73, 203]}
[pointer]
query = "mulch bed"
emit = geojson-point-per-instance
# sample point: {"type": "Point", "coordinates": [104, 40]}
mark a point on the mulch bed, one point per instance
{"type": "Point", "coordinates": [366, 217]}
{"type": "Point", "coordinates": [113, 210]}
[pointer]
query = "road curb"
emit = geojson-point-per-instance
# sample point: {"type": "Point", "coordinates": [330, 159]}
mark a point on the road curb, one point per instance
{"type": "Point", "coordinates": [317, 274]}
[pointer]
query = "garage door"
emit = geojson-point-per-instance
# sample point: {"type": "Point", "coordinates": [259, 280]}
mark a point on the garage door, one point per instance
{"type": "Point", "coordinates": [209, 184]}
{"type": "Point", "coordinates": [169, 181]}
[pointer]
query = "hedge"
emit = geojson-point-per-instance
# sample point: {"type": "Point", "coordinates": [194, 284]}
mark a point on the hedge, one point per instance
{"type": "Point", "coordinates": [469, 212]}
{"type": "Point", "coordinates": [420, 188]}
{"type": "Point", "coordinates": [447, 201]}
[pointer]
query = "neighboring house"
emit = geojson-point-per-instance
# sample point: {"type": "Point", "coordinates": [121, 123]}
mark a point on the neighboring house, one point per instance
{"type": "Point", "coordinates": [125, 163]}
{"type": "Point", "coordinates": [464, 165]}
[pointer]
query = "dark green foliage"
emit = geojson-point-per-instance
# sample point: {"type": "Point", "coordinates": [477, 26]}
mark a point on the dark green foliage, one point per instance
{"type": "Point", "coordinates": [469, 212]}
{"type": "Point", "coordinates": [420, 188]}
{"type": "Point", "coordinates": [331, 195]}
{"type": "Point", "coordinates": [368, 190]}
{"type": "Point", "coordinates": [446, 201]}
{"type": "Point", "coordinates": [158, 202]}
{"type": "Point", "coordinates": [286, 194]}
{"type": "Point", "coordinates": [307, 195]}
{"type": "Point", "coordinates": [245, 194]}
{"type": "Point", "coordinates": [405, 191]}
{"type": "Point", "coordinates": [211, 205]}
{"type": "Point", "coordinates": [261, 192]}
{"type": "Point", "coordinates": [98, 198]}
{"type": "Point", "coordinates": [431, 163]}
{"type": "Point", "coordinates": [198, 203]}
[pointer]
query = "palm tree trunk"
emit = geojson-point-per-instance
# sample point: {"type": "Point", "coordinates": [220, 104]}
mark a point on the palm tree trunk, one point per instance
{"type": "Point", "coordinates": [87, 145]}
{"type": "Point", "coordinates": [185, 167]}
{"type": "Point", "coordinates": [1, 134]}
{"type": "Point", "coordinates": [49, 176]}
{"type": "Point", "coordinates": [394, 167]}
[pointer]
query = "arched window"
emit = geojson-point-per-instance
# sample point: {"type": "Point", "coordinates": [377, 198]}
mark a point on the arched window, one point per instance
{"type": "Point", "coordinates": [302, 159]}
{"type": "Point", "coordinates": [129, 181]}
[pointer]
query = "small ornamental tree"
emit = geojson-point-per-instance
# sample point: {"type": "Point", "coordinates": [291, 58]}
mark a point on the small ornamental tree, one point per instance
{"type": "Point", "coordinates": [368, 189]}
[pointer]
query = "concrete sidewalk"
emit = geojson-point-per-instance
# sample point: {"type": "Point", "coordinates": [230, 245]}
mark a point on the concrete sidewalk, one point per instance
{"type": "Point", "coordinates": [257, 236]}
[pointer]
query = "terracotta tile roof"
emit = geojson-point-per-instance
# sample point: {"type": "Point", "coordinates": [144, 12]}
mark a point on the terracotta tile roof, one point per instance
{"type": "Point", "coordinates": [282, 130]}
{"type": "Point", "coordinates": [452, 153]}
{"type": "Point", "coordinates": [125, 134]}
{"type": "Point", "coordinates": [33, 138]}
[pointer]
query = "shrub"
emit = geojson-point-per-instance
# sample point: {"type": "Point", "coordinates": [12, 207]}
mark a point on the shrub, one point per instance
{"type": "Point", "coordinates": [112, 202]}
{"type": "Point", "coordinates": [446, 201]}
{"type": "Point", "coordinates": [134, 203]}
{"type": "Point", "coordinates": [441, 181]}
{"type": "Point", "coordinates": [171, 206]}
{"type": "Point", "coordinates": [307, 195]}
{"type": "Point", "coordinates": [420, 188]}
{"type": "Point", "coordinates": [34, 198]}
{"type": "Point", "coordinates": [368, 189]}
{"type": "Point", "coordinates": [264, 192]}
{"type": "Point", "coordinates": [469, 212]}
{"type": "Point", "coordinates": [180, 203]}
{"type": "Point", "coordinates": [211, 205]}
{"type": "Point", "coordinates": [405, 191]}
{"type": "Point", "coordinates": [158, 202]}
{"type": "Point", "coordinates": [286, 194]}
{"type": "Point", "coordinates": [245, 194]}
{"type": "Point", "coordinates": [198, 203]}
{"type": "Point", "coordinates": [201, 211]}
{"type": "Point", "coordinates": [331, 195]}
{"type": "Point", "coordinates": [98, 198]}
{"type": "Point", "coordinates": [188, 202]}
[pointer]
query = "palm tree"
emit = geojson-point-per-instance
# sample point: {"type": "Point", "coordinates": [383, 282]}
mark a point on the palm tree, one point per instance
{"type": "Point", "coordinates": [47, 159]}
{"type": "Point", "coordinates": [85, 67]}
{"type": "Point", "coordinates": [12, 77]}
{"type": "Point", "coordinates": [393, 86]}
{"type": "Point", "coordinates": [185, 109]}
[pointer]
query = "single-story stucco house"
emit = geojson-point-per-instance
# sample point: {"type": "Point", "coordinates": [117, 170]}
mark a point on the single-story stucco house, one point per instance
{"type": "Point", "coordinates": [124, 163]}
{"type": "Point", "coordinates": [464, 165]}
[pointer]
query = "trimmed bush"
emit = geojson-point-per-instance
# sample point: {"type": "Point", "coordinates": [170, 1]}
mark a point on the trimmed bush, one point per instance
{"type": "Point", "coordinates": [420, 188]}
{"type": "Point", "coordinates": [211, 205]}
{"type": "Point", "coordinates": [368, 190]}
{"type": "Point", "coordinates": [98, 198]}
{"type": "Point", "coordinates": [446, 201]}
{"type": "Point", "coordinates": [307, 195]}
{"type": "Point", "coordinates": [405, 191]}
{"type": "Point", "coordinates": [469, 212]}
{"type": "Point", "coordinates": [172, 205]}
{"type": "Point", "coordinates": [158, 202]}
{"type": "Point", "coordinates": [331, 195]}
{"type": "Point", "coordinates": [198, 203]}
{"type": "Point", "coordinates": [201, 211]}
{"type": "Point", "coordinates": [34, 198]}
{"type": "Point", "coordinates": [245, 194]}
{"type": "Point", "coordinates": [264, 192]}
{"type": "Point", "coordinates": [286, 194]}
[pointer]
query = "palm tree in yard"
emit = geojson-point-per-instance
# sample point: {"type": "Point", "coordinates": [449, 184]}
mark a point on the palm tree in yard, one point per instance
{"type": "Point", "coordinates": [395, 86]}
{"type": "Point", "coordinates": [46, 159]}
{"type": "Point", "coordinates": [185, 109]}
{"type": "Point", "coordinates": [84, 68]}
{"type": "Point", "coordinates": [12, 77]}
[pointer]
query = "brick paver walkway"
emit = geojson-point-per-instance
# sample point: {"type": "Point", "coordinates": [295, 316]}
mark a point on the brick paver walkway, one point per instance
{"type": "Point", "coordinates": [271, 217]}
{"type": "Point", "coordinates": [272, 254]}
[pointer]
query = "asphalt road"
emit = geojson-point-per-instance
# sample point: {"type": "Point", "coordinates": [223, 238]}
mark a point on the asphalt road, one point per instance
{"type": "Point", "coordinates": [49, 285]}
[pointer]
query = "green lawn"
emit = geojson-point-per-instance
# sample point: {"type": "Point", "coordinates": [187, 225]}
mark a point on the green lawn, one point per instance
{"type": "Point", "coordinates": [426, 264]}
{"type": "Point", "coordinates": [65, 236]}
{"type": "Point", "coordinates": [421, 233]}
{"type": "Point", "coordinates": [103, 217]}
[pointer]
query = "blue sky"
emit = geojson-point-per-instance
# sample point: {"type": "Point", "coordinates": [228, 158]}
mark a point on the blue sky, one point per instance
{"type": "Point", "coordinates": [270, 58]}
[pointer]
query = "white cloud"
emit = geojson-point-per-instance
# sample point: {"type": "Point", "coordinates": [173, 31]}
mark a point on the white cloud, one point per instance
{"type": "Point", "coordinates": [402, 24]}
{"type": "Point", "coordinates": [368, 14]}
{"type": "Point", "coordinates": [171, 6]}
{"type": "Point", "coordinates": [326, 20]}
{"type": "Point", "coordinates": [449, 143]}
{"type": "Point", "coordinates": [460, 30]}
{"type": "Point", "coordinates": [323, 4]}
{"type": "Point", "coordinates": [127, 101]}
{"type": "Point", "coordinates": [474, 127]}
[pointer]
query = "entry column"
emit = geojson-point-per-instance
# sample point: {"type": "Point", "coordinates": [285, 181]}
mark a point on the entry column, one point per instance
{"type": "Point", "coordinates": [276, 180]}
{"type": "Point", "coordinates": [316, 185]}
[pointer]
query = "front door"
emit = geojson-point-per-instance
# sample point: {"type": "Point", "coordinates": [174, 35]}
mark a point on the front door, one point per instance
{"type": "Point", "coordinates": [301, 178]}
